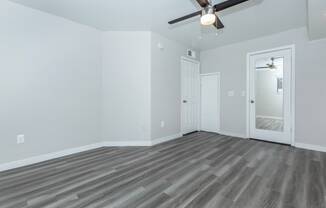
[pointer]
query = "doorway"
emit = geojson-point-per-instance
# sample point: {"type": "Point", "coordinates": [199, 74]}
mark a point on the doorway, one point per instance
{"type": "Point", "coordinates": [271, 86]}
{"type": "Point", "coordinates": [189, 95]}
{"type": "Point", "coordinates": [210, 102]}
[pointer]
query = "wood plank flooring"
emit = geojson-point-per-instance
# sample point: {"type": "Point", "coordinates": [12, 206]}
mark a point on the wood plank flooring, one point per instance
{"type": "Point", "coordinates": [270, 124]}
{"type": "Point", "coordinates": [201, 170]}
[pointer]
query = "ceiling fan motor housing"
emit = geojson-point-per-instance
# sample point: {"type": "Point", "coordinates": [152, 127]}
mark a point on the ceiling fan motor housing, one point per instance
{"type": "Point", "coordinates": [208, 10]}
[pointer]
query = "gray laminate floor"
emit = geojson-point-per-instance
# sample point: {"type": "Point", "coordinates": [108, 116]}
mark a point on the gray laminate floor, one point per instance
{"type": "Point", "coordinates": [200, 170]}
{"type": "Point", "coordinates": [269, 124]}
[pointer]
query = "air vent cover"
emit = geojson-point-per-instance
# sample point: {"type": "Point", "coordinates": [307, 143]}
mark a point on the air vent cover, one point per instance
{"type": "Point", "coordinates": [191, 53]}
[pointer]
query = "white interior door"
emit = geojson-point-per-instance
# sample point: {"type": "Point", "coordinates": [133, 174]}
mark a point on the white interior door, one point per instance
{"type": "Point", "coordinates": [210, 102]}
{"type": "Point", "coordinates": [189, 95]}
{"type": "Point", "coordinates": [270, 96]}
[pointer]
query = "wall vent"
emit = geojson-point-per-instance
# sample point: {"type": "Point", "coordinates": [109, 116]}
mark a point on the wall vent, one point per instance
{"type": "Point", "coordinates": [191, 53]}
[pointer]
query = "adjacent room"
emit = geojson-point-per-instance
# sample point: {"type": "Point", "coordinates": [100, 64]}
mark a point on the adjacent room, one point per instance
{"type": "Point", "coordinates": [162, 104]}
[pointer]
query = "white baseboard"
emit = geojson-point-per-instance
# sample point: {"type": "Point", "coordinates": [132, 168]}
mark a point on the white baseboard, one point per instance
{"type": "Point", "coordinates": [49, 156]}
{"type": "Point", "coordinates": [165, 139]}
{"type": "Point", "coordinates": [136, 143]}
{"type": "Point", "coordinates": [45, 157]}
{"type": "Point", "coordinates": [310, 147]}
{"type": "Point", "coordinates": [227, 133]}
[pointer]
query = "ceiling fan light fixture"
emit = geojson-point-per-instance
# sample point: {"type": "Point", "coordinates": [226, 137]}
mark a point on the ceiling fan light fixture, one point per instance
{"type": "Point", "coordinates": [208, 16]}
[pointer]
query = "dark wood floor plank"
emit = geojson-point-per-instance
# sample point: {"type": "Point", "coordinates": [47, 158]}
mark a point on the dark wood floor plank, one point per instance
{"type": "Point", "coordinates": [315, 190]}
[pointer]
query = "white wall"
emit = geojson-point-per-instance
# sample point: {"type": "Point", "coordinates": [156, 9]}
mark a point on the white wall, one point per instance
{"type": "Point", "coordinates": [126, 62]}
{"type": "Point", "coordinates": [310, 82]}
{"type": "Point", "coordinates": [65, 85]}
{"type": "Point", "coordinates": [49, 83]}
{"type": "Point", "coordinates": [140, 87]}
{"type": "Point", "coordinates": [165, 86]}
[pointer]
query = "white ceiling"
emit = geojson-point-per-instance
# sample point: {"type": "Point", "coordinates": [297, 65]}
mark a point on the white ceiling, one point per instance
{"type": "Point", "coordinates": [247, 21]}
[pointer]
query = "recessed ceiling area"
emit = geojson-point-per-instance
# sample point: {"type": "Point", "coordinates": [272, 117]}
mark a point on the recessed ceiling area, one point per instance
{"type": "Point", "coordinates": [249, 20]}
{"type": "Point", "coordinates": [317, 19]}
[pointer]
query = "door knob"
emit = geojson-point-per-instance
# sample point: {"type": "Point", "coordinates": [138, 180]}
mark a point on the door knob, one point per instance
{"type": "Point", "coordinates": [184, 101]}
{"type": "Point", "coordinates": [252, 101]}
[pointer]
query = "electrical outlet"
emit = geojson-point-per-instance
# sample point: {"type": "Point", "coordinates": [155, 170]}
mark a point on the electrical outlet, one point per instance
{"type": "Point", "coordinates": [162, 124]}
{"type": "Point", "coordinates": [20, 139]}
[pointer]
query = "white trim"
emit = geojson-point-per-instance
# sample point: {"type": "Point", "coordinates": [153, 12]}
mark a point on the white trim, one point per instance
{"type": "Point", "coordinates": [293, 96]}
{"type": "Point", "coordinates": [50, 156]}
{"type": "Point", "coordinates": [233, 134]}
{"type": "Point", "coordinates": [166, 139]}
{"type": "Point", "coordinates": [190, 59]}
{"type": "Point", "coordinates": [248, 97]}
{"type": "Point", "coordinates": [270, 117]}
{"type": "Point", "coordinates": [54, 155]}
{"type": "Point", "coordinates": [136, 143]}
{"type": "Point", "coordinates": [272, 50]}
{"type": "Point", "coordinates": [292, 48]}
{"type": "Point", "coordinates": [310, 147]}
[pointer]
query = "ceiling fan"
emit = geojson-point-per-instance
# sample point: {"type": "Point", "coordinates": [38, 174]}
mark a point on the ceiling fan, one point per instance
{"type": "Point", "coordinates": [208, 13]}
{"type": "Point", "coordinates": [271, 66]}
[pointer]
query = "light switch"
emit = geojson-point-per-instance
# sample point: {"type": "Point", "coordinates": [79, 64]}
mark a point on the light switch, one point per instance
{"type": "Point", "coordinates": [231, 93]}
{"type": "Point", "coordinates": [160, 46]}
{"type": "Point", "coordinates": [20, 139]}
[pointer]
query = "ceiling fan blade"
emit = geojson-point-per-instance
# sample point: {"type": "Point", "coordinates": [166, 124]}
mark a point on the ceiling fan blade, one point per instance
{"type": "Point", "coordinates": [185, 17]}
{"type": "Point", "coordinates": [227, 4]}
{"type": "Point", "coordinates": [265, 67]}
{"type": "Point", "coordinates": [203, 3]}
{"type": "Point", "coordinates": [218, 23]}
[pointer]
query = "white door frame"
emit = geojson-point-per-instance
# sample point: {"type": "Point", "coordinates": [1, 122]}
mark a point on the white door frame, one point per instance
{"type": "Point", "coordinates": [183, 58]}
{"type": "Point", "coordinates": [219, 100]}
{"type": "Point", "coordinates": [292, 48]}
